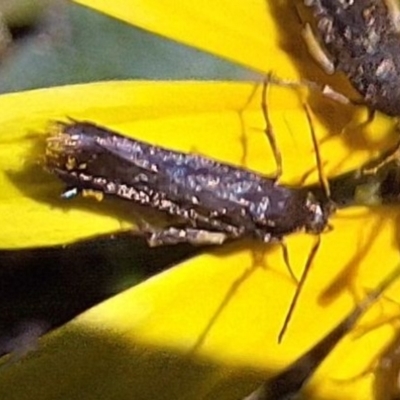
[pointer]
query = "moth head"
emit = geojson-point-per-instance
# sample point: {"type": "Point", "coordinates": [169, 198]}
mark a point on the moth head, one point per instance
{"type": "Point", "coordinates": [319, 213]}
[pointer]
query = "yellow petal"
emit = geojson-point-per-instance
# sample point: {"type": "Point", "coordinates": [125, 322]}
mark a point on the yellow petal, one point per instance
{"type": "Point", "coordinates": [185, 115]}
{"type": "Point", "coordinates": [201, 117]}
{"type": "Point", "coordinates": [260, 34]}
{"type": "Point", "coordinates": [170, 311]}
{"type": "Point", "coordinates": [177, 336]}
{"type": "Point", "coordinates": [176, 309]}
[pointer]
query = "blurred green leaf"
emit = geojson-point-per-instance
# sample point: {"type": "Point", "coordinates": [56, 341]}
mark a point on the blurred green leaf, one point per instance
{"type": "Point", "coordinates": [77, 45]}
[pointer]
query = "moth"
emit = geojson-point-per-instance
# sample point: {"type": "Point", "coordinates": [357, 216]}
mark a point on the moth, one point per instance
{"type": "Point", "coordinates": [212, 201]}
{"type": "Point", "coordinates": [360, 38]}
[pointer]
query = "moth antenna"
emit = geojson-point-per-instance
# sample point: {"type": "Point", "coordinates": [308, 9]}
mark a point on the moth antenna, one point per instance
{"type": "Point", "coordinates": [321, 176]}
{"type": "Point", "coordinates": [289, 382]}
{"type": "Point", "coordinates": [299, 288]}
{"type": "Point", "coordinates": [269, 132]}
{"type": "Point", "coordinates": [285, 252]}
{"type": "Point", "coordinates": [242, 122]}
{"type": "Point", "coordinates": [326, 188]}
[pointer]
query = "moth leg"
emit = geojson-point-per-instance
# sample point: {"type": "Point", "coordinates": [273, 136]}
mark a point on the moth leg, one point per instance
{"type": "Point", "coordinates": [393, 13]}
{"type": "Point", "coordinates": [316, 51]}
{"type": "Point", "coordinates": [174, 235]}
{"type": "Point", "coordinates": [169, 235]}
{"type": "Point", "coordinates": [338, 97]}
{"type": "Point", "coordinates": [375, 167]}
{"type": "Point", "coordinates": [322, 58]}
{"type": "Point", "coordinates": [157, 236]}
{"type": "Point", "coordinates": [285, 253]}
{"type": "Point", "coordinates": [330, 93]}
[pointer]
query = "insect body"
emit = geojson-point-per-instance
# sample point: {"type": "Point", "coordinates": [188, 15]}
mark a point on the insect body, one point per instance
{"type": "Point", "coordinates": [213, 201]}
{"type": "Point", "coordinates": [362, 39]}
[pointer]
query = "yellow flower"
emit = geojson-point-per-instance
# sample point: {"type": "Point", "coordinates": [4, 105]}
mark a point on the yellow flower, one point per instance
{"type": "Point", "coordinates": [176, 336]}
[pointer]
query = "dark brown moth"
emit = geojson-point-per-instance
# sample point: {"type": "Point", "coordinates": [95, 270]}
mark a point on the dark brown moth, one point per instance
{"type": "Point", "coordinates": [360, 38]}
{"type": "Point", "coordinates": [212, 201]}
